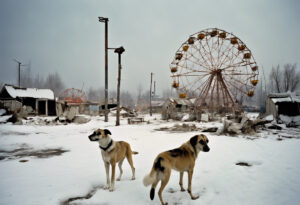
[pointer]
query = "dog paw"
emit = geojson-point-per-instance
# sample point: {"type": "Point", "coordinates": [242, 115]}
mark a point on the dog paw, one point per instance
{"type": "Point", "coordinates": [133, 178]}
{"type": "Point", "coordinates": [182, 189]}
{"type": "Point", "coordinates": [111, 189]}
{"type": "Point", "coordinates": [118, 179]}
{"type": "Point", "coordinates": [106, 187]}
{"type": "Point", "coordinates": [194, 197]}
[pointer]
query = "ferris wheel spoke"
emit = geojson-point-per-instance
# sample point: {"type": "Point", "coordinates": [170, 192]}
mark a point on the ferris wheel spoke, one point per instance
{"type": "Point", "coordinates": [219, 49]}
{"type": "Point", "coordinates": [195, 83]}
{"type": "Point", "coordinates": [198, 63]}
{"type": "Point", "coordinates": [208, 86]}
{"type": "Point", "coordinates": [234, 57]}
{"type": "Point", "coordinates": [225, 53]}
{"type": "Point", "coordinates": [206, 53]}
{"type": "Point", "coordinates": [210, 51]}
{"type": "Point", "coordinates": [229, 59]}
{"type": "Point", "coordinates": [238, 64]}
{"type": "Point", "coordinates": [205, 60]}
{"type": "Point", "coordinates": [227, 91]}
{"type": "Point", "coordinates": [241, 83]}
{"type": "Point", "coordinates": [226, 57]}
{"type": "Point", "coordinates": [236, 87]}
{"type": "Point", "coordinates": [192, 70]}
{"type": "Point", "coordinates": [203, 86]}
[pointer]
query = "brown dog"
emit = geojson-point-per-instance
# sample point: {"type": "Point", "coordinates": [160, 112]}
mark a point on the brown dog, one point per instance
{"type": "Point", "coordinates": [113, 152]}
{"type": "Point", "coordinates": [181, 159]}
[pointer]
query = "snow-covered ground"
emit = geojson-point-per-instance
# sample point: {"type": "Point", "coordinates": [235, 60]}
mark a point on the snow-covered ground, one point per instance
{"type": "Point", "coordinates": [273, 178]}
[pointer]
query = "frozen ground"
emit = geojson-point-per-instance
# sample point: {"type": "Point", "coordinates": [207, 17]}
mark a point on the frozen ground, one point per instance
{"type": "Point", "coordinates": [272, 179]}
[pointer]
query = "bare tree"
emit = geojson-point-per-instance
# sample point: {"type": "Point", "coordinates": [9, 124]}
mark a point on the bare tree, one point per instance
{"type": "Point", "coordinates": [139, 92]}
{"type": "Point", "coordinates": [291, 77]}
{"type": "Point", "coordinates": [286, 79]}
{"type": "Point", "coordinates": [127, 99]}
{"type": "Point", "coordinates": [276, 79]}
{"type": "Point", "coordinates": [54, 82]}
{"type": "Point", "coordinates": [94, 94]}
{"type": "Point", "coordinates": [167, 93]}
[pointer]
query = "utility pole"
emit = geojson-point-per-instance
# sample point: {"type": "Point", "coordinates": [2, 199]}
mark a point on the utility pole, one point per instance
{"type": "Point", "coordinates": [105, 21]}
{"type": "Point", "coordinates": [19, 72]}
{"type": "Point", "coordinates": [119, 51]}
{"type": "Point", "coordinates": [154, 92]}
{"type": "Point", "coordinates": [151, 95]}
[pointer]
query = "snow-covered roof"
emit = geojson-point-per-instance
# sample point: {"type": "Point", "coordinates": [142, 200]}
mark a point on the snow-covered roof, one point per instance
{"type": "Point", "coordinates": [182, 101]}
{"type": "Point", "coordinates": [29, 92]}
{"type": "Point", "coordinates": [157, 103]}
{"type": "Point", "coordinates": [284, 97]}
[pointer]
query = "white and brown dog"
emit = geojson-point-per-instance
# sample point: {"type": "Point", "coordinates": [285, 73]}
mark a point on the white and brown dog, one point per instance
{"type": "Point", "coordinates": [181, 159]}
{"type": "Point", "coordinates": [113, 152]}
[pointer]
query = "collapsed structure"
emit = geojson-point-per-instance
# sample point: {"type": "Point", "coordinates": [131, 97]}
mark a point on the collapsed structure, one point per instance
{"type": "Point", "coordinates": [284, 107]}
{"type": "Point", "coordinates": [36, 101]}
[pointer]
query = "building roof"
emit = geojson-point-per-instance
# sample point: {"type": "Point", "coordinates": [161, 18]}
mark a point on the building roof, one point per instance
{"type": "Point", "coordinates": [187, 102]}
{"type": "Point", "coordinates": [284, 97]}
{"type": "Point", "coordinates": [15, 92]}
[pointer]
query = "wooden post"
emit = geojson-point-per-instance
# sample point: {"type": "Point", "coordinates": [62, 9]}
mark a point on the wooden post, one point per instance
{"type": "Point", "coordinates": [106, 72]}
{"type": "Point", "coordinates": [151, 95]}
{"type": "Point", "coordinates": [119, 51]}
{"type": "Point", "coordinates": [118, 92]}
{"type": "Point", "coordinates": [46, 107]}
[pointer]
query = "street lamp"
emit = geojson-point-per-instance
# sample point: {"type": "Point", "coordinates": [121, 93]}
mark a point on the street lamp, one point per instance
{"type": "Point", "coordinates": [105, 21]}
{"type": "Point", "coordinates": [119, 51]}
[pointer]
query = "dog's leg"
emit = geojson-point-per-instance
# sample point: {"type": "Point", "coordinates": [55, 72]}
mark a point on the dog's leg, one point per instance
{"type": "Point", "coordinates": [113, 171]}
{"type": "Point", "coordinates": [152, 191]}
{"type": "Point", "coordinates": [129, 158]}
{"type": "Point", "coordinates": [180, 182]}
{"type": "Point", "coordinates": [107, 175]}
{"type": "Point", "coordinates": [120, 168]}
{"type": "Point", "coordinates": [164, 182]}
{"type": "Point", "coordinates": [190, 176]}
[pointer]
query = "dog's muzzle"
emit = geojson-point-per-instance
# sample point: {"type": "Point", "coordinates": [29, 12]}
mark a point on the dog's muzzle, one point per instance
{"type": "Point", "coordinates": [91, 137]}
{"type": "Point", "coordinates": [206, 148]}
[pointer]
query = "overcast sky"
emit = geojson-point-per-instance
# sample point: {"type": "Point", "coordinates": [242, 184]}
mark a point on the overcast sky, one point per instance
{"type": "Point", "coordinates": [65, 36]}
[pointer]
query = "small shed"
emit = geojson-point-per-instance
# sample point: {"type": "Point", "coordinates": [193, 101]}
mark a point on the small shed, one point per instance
{"type": "Point", "coordinates": [40, 101]}
{"type": "Point", "coordinates": [286, 104]}
{"type": "Point", "coordinates": [157, 106]}
{"type": "Point", "coordinates": [172, 107]}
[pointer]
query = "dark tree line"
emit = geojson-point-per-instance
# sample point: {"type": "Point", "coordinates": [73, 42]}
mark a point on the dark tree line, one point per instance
{"type": "Point", "coordinates": [53, 81]}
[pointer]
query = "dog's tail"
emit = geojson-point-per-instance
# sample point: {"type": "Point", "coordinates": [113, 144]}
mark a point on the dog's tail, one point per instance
{"type": "Point", "coordinates": [153, 178]}
{"type": "Point", "coordinates": [134, 152]}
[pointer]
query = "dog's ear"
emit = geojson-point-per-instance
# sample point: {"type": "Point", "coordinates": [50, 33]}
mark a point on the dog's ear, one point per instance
{"type": "Point", "coordinates": [107, 132]}
{"type": "Point", "coordinates": [194, 140]}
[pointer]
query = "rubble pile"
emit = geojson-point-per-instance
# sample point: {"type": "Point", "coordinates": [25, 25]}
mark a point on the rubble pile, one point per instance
{"type": "Point", "coordinates": [180, 128]}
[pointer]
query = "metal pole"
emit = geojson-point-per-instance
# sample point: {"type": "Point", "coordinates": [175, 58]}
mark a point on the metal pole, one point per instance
{"type": "Point", "coordinates": [151, 95]}
{"type": "Point", "coordinates": [118, 92]}
{"type": "Point", "coordinates": [106, 71]}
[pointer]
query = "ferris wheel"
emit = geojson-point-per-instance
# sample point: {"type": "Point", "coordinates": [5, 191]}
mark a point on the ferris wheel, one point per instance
{"type": "Point", "coordinates": [216, 68]}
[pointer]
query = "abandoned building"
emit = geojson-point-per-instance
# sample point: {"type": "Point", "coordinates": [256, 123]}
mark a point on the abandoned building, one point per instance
{"type": "Point", "coordinates": [157, 106]}
{"type": "Point", "coordinates": [173, 108]}
{"type": "Point", "coordinates": [283, 104]}
{"type": "Point", "coordinates": [37, 101]}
